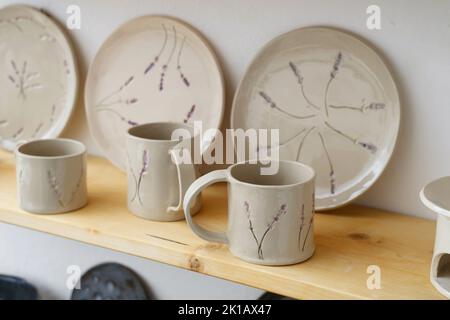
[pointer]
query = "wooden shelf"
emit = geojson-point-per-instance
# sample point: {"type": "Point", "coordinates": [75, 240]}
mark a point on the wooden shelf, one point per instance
{"type": "Point", "coordinates": [348, 240]}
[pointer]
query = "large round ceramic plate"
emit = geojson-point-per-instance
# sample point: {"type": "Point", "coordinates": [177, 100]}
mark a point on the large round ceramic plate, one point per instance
{"type": "Point", "coordinates": [335, 103]}
{"type": "Point", "coordinates": [38, 76]}
{"type": "Point", "coordinates": [152, 68]}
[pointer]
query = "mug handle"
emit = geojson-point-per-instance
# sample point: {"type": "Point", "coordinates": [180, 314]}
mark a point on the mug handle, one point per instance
{"type": "Point", "coordinates": [186, 175]}
{"type": "Point", "coordinates": [192, 192]}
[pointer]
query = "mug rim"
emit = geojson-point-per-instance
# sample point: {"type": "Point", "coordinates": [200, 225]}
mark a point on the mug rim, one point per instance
{"type": "Point", "coordinates": [179, 124]}
{"type": "Point", "coordinates": [21, 154]}
{"type": "Point", "coordinates": [283, 186]}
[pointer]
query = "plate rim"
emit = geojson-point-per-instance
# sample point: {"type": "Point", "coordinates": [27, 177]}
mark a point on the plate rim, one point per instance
{"type": "Point", "coordinates": [55, 131]}
{"type": "Point", "coordinates": [192, 29]}
{"type": "Point", "coordinates": [380, 57]}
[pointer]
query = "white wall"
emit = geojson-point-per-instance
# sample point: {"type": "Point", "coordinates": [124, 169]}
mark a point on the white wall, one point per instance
{"type": "Point", "coordinates": [415, 40]}
{"type": "Point", "coordinates": [43, 261]}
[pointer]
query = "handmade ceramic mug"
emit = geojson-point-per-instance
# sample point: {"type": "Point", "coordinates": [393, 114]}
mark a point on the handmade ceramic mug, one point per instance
{"type": "Point", "coordinates": [160, 169]}
{"type": "Point", "coordinates": [270, 217]}
{"type": "Point", "coordinates": [436, 196]}
{"type": "Point", "coordinates": [51, 175]}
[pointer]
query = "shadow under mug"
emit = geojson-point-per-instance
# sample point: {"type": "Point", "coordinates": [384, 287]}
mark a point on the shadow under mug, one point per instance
{"type": "Point", "coordinates": [51, 175]}
{"type": "Point", "coordinates": [160, 168]}
{"type": "Point", "coordinates": [270, 217]}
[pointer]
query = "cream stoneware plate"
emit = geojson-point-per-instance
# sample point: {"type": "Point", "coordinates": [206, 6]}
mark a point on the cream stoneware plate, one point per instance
{"type": "Point", "coordinates": [335, 103]}
{"type": "Point", "coordinates": [38, 76]}
{"type": "Point", "coordinates": [152, 68]}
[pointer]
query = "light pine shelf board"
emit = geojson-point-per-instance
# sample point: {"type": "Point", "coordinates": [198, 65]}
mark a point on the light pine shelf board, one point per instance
{"type": "Point", "coordinates": [348, 240]}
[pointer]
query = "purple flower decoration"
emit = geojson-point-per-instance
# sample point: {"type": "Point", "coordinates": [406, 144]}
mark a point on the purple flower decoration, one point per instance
{"type": "Point", "coordinates": [369, 146]}
{"type": "Point", "coordinates": [189, 114]}
{"type": "Point", "coordinates": [336, 65]}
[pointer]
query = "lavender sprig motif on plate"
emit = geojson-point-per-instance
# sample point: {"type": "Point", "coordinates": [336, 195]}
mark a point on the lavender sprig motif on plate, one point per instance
{"type": "Point", "coordinates": [118, 98]}
{"type": "Point", "coordinates": [23, 79]}
{"type": "Point", "coordinates": [270, 226]}
{"type": "Point", "coordinates": [322, 118]}
{"type": "Point", "coordinates": [156, 59]}
{"type": "Point", "coordinates": [26, 80]}
{"type": "Point", "coordinates": [114, 98]}
{"type": "Point", "coordinates": [169, 59]}
{"type": "Point", "coordinates": [189, 114]}
{"type": "Point", "coordinates": [179, 67]}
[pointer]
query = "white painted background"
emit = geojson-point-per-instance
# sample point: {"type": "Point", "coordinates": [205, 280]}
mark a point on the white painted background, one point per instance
{"type": "Point", "coordinates": [414, 39]}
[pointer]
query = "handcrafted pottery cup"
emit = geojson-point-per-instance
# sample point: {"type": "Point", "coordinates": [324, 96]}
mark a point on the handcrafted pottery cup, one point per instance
{"type": "Point", "coordinates": [270, 217]}
{"type": "Point", "coordinates": [436, 196]}
{"type": "Point", "coordinates": [160, 169]}
{"type": "Point", "coordinates": [51, 175]}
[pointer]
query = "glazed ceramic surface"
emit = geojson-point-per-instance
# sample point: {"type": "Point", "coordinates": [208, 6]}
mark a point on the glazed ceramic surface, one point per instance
{"type": "Point", "coordinates": [335, 103]}
{"type": "Point", "coordinates": [436, 196]}
{"type": "Point", "coordinates": [158, 177]}
{"type": "Point", "coordinates": [111, 281]}
{"type": "Point", "coordinates": [151, 69]}
{"type": "Point", "coordinates": [38, 76]}
{"type": "Point", "coordinates": [270, 217]}
{"type": "Point", "coordinates": [51, 176]}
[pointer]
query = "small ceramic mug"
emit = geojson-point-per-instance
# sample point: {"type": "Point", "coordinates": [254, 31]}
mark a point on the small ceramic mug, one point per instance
{"type": "Point", "coordinates": [160, 169]}
{"type": "Point", "coordinates": [270, 217]}
{"type": "Point", "coordinates": [51, 175]}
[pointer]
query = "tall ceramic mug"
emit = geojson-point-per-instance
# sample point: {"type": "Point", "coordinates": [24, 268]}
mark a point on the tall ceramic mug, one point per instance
{"type": "Point", "coordinates": [51, 175]}
{"type": "Point", "coordinates": [270, 217]}
{"type": "Point", "coordinates": [160, 169]}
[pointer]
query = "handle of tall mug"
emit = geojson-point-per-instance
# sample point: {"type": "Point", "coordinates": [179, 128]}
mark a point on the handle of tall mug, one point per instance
{"type": "Point", "coordinates": [186, 174]}
{"type": "Point", "coordinates": [192, 192]}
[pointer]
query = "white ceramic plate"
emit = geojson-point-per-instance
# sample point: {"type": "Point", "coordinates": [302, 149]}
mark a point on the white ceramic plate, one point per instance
{"type": "Point", "coordinates": [152, 68]}
{"type": "Point", "coordinates": [335, 103]}
{"type": "Point", "coordinates": [38, 76]}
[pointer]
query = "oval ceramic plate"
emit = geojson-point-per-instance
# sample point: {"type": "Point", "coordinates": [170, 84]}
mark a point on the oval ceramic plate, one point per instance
{"type": "Point", "coordinates": [38, 76]}
{"type": "Point", "coordinates": [152, 68]}
{"type": "Point", "coordinates": [335, 103]}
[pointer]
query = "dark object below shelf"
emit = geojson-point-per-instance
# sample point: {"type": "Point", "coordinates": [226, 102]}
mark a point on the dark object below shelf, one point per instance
{"type": "Point", "coordinates": [273, 296]}
{"type": "Point", "coordinates": [110, 281]}
{"type": "Point", "coordinates": [14, 288]}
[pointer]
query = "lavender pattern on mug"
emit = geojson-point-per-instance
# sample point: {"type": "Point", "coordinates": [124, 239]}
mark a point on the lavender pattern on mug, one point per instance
{"type": "Point", "coordinates": [326, 126]}
{"type": "Point", "coordinates": [21, 185]}
{"type": "Point", "coordinates": [303, 225]}
{"type": "Point", "coordinates": [55, 187]}
{"type": "Point", "coordinates": [77, 187]}
{"type": "Point", "coordinates": [270, 226]}
{"type": "Point", "coordinates": [137, 179]}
